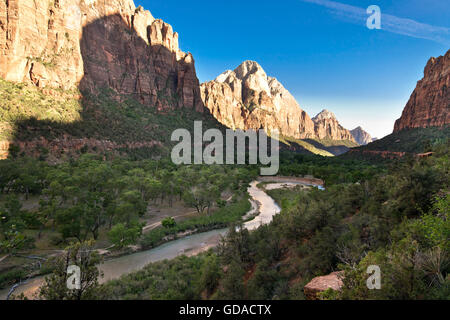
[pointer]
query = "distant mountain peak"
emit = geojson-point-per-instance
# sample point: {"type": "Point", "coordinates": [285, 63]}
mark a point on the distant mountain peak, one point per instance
{"type": "Point", "coordinates": [361, 136]}
{"type": "Point", "coordinates": [323, 115]}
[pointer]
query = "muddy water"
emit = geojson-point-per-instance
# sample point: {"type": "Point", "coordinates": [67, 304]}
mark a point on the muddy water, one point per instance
{"type": "Point", "coordinates": [190, 245]}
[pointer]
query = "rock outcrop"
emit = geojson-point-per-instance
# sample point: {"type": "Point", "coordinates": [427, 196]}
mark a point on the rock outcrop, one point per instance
{"type": "Point", "coordinates": [362, 137]}
{"type": "Point", "coordinates": [247, 98]}
{"type": "Point", "coordinates": [327, 126]}
{"type": "Point", "coordinates": [429, 105]}
{"type": "Point", "coordinates": [320, 284]}
{"type": "Point", "coordinates": [93, 44]}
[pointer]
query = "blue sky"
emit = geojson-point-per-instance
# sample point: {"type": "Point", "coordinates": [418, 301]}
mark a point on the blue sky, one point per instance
{"type": "Point", "coordinates": [320, 50]}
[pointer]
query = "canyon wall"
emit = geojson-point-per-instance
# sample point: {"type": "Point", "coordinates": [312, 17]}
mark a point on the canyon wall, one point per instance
{"type": "Point", "coordinates": [93, 44]}
{"type": "Point", "coordinates": [429, 105]}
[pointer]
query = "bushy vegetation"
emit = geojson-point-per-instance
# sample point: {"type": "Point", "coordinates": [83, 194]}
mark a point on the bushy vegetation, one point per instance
{"type": "Point", "coordinates": [415, 140]}
{"type": "Point", "coordinates": [180, 278]}
{"type": "Point", "coordinates": [220, 219]}
{"type": "Point", "coordinates": [397, 219]}
{"type": "Point", "coordinates": [82, 197]}
{"type": "Point", "coordinates": [28, 113]}
{"type": "Point", "coordinates": [331, 170]}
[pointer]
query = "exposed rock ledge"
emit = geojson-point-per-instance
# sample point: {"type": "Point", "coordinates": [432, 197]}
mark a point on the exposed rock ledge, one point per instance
{"type": "Point", "coordinates": [321, 284]}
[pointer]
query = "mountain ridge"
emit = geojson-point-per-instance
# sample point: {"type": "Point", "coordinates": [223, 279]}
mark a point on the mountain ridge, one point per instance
{"type": "Point", "coordinates": [429, 104]}
{"type": "Point", "coordinates": [247, 98]}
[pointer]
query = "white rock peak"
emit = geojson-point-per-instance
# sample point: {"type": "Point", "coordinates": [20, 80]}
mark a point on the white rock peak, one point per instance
{"type": "Point", "coordinates": [324, 115]}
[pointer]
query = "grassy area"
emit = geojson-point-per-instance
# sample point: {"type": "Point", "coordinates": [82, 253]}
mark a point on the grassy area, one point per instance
{"type": "Point", "coordinates": [321, 147]}
{"type": "Point", "coordinates": [308, 147]}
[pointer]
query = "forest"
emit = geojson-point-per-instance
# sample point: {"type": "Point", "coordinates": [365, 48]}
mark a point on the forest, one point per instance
{"type": "Point", "coordinates": [394, 214]}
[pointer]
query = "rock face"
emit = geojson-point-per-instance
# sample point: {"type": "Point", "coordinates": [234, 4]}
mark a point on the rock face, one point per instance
{"type": "Point", "coordinates": [429, 105]}
{"type": "Point", "coordinates": [321, 284]}
{"type": "Point", "coordinates": [93, 44]}
{"type": "Point", "coordinates": [327, 126]}
{"type": "Point", "coordinates": [361, 136]}
{"type": "Point", "coordinates": [247, 98]}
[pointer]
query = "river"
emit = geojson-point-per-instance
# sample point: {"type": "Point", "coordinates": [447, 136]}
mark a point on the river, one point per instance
{"type": "Point", "coordinates": [189, 246]}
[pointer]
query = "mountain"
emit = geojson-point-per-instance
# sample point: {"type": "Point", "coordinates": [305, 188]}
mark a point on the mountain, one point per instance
{"type": "Point", "coordinates": [429, 105]}
{"type": "Point", "coordinates": [95, 44]}
{"type": "Point", "coordinates": [326, 126]}
{"type": "Point", "coordinates": [92, 76]}
{"type": "Point", "coordinates": [361, 136]}
{"type": "Point", "coordinates": [425, 119]}
{"type": "Point", "coordinates": [247, 98]}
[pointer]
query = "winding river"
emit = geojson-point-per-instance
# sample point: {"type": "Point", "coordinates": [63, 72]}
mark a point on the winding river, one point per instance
{"type": "Point", "coordinates": [263, 206]}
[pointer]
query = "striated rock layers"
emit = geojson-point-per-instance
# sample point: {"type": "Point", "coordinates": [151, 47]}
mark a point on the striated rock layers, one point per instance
{"type": "Point", "coordinates": [93, 44]}
{"type": "Point", "coordinates": [326, 126]}
{"type": "Point", "coordinates": [429, 105]}
{"type": "Point", "coordinates": [247, 98]}
{"type": "Point", "coordinates": [362, 137]}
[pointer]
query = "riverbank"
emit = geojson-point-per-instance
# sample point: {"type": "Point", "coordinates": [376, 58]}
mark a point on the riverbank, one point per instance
{"type": "Point", "coordinates": [189, 245]}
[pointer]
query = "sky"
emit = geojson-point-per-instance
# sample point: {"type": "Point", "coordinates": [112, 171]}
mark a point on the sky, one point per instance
{"type": "Point", "coordinates": [320, 50]}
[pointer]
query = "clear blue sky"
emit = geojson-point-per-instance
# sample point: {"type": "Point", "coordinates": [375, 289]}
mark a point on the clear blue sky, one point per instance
{"type": "Point", "coordinates": [321, 51]}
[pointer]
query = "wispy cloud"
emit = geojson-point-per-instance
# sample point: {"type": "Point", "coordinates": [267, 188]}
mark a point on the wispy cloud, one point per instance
{"type": "Point", "coordinates": [389, 22]}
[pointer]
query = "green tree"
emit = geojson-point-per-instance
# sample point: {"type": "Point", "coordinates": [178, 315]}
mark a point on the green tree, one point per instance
{"type": "Point", "coordinates": [122, 236]}
{"type": "Point", "coordinates": [87, 259]}
{"type": "Point", "coordinates": [168, 222]}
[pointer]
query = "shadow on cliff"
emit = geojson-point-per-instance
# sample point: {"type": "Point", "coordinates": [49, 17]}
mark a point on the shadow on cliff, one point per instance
{"type": "Point", "coordinates": [131, 99]}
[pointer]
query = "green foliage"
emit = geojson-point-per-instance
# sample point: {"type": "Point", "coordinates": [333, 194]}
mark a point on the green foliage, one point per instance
{"type": "Point", "coordinates": [219, 219]}
{"type": "Point", "coordinates": [105, 116]}
{"type": "Point", "coordinates": [121, 236]}
{"type": "Point", "coordinates": [177, 279]}
{"type": "Point", "coordinates": [83, 256]}
{"type": "Point", "coordinates": [376, 220]}
{"type": "Point", "coordinates": [168, 222]}
{"type": "Point", "coordinates": [335, 170]}
{"type": "Point", "coordinates": [415, 140]}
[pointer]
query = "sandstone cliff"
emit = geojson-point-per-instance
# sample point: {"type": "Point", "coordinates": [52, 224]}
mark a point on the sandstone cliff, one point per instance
{"type": "Point", "coordinates": [361, 136]}
{"type": "Point", "coordinates": [429, 105]}
{"type": "Point", "coordinates": [327, 126]}
{"type": "Point", "coordinates": [93, 44]}
{"type": "Point", "coordinates": [247, 98]}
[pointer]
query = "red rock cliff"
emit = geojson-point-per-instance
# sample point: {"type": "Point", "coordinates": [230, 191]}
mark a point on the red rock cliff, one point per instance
{"type": "Point", "coordinates": [429, 105]}
{"type": "Point", "coordinates": [93, 44]}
